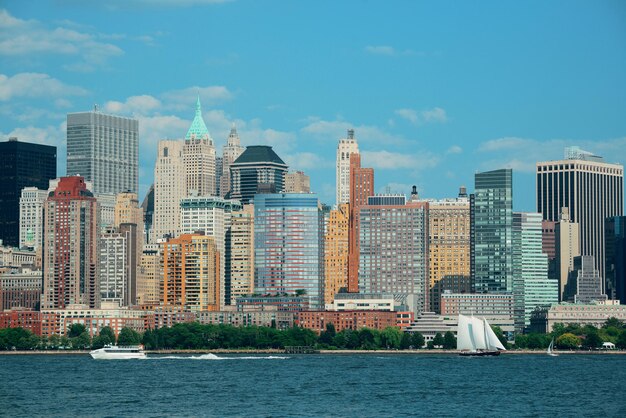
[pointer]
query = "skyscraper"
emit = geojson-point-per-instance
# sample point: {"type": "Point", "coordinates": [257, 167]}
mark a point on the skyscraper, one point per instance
{"type": "Point", "coordinates": [491, 214]}
{"type": "Point", "coordinates": [257, 170]}
{"type": "Point", "coordinates": [70, 256]}
{"type": "Point", "coordinates": [615, 236]}
{"type": "Point", "coordinates": [592, 189]}
{"type": "Point", "coordinates": [393, 245]}
{"type": "Point", "coordinates": [345, 147]}
{"type": "Point", "coordinates": [170, 187]}
{"type": "Point", "coordinates": [289, 246]}
{"type": "Point", "coordinates": [239, 271]}
{"type": "Point", "coordinates": [531, 286]}
{"type": "Point", "coordinates": [199, 157]}
{"type": "Point", "coordinates": [297, 182]}
{"type": "Point", "coordinates": [230, 152]}
{"type": "Point", "coordinates": [191, 273]}
{"type": "Point", "coordinates": [104, 150]}
{"type": "Point", "coordinates": [585, 279]}
{"type": "Point", "coordinates": [361, 187]}
{"type": "Point", "coordinates": [22, 164]}
{"type": "Point", "coordinates": [567, 246]}
{"type": "Point", "coordinates": [336, 252]}
{"type": "Point", "coordinates": [31, 217]}
{"type": "Point", "coordinates": [449, 248]}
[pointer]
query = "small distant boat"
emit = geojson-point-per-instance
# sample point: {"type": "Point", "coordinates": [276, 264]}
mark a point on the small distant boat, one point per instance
{"type": "Point", "coordinates": [549, 352]}
{"type": "Point", "coordinates": [476, 338]}
{"type": "Point", "coordinates": [114, 352]}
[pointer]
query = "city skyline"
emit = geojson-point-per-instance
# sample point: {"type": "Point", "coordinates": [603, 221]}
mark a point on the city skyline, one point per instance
{"type": "Point", "coordinates": [417, 82]}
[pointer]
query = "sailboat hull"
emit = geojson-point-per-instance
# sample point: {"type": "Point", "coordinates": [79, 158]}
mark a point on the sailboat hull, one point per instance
{"type": "Point", "coordinates": [479, 353]}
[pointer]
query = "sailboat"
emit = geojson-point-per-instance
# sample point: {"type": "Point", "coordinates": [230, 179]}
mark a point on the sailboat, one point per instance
{"type": "Point", "coordinates": [476, 338]}
{"type": "Point", "coordinates": [550, 353]}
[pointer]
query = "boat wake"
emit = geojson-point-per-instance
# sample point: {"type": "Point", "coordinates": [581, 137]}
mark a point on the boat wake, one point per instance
{"type": "Point", "coordinates": [214, 357]}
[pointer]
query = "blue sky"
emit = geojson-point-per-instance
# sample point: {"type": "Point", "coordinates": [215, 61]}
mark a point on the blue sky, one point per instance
{"type": "Point", "coordinates": [436, 91]}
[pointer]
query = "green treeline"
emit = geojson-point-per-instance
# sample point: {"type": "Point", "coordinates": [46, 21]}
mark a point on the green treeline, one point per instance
{"type": "Point", "coordinates": [194, 335]}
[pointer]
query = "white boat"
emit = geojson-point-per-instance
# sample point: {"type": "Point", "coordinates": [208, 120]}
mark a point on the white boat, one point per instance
{"type": "Point", "coordinates": [114, 352]}
{"type": "Point", "coordinates": [550, 353]}
{"type": "Point", "coordinates": [476, 338]}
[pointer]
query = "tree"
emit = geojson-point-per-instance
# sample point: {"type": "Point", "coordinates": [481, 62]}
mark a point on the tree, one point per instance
{"type": "Point", "coordinates": [76, 330]}
{"type": "Point", "coordinates": [613, 322]}
{"type": "Point", "coordinates": [621, 340]}
{"type": "Point", "coordinates": [417, 340]}
{"type": "Point", "coordinates": [438, 340]}
{"type": "Point", "coordinates": [81, 342]}
{"type": "Point", "coordinates": [498, 331]}
{"type": "Point", "coordinates": [129, 336]}
{"type": "Point", "coordinates": [405, 343]}
{"type": "Point", "coordinates": [391, 337]}
{"type": "Point", "coordinates": [108, 333]}
{"type": "Point", "coordinates": [327, 336]}
{"type": "Point", "coordinates": [592, 340]}
{"type": "Point", "coordinates": [568, 341]}
{"type": "Point", "coordinates": [449, 341]}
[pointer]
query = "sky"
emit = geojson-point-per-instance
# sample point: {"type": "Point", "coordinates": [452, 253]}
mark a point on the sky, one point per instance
{"type": "Point", "coordinates": [435, 90]}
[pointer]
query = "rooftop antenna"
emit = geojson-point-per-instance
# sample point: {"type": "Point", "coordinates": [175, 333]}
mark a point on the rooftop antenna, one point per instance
{"type": "Point", "coordinates": [95, 107]}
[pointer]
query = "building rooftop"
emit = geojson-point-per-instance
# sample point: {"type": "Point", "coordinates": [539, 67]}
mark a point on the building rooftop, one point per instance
{"type": "Point", "coordinates": [198, 129]}
{"type": "Point", "coordinates": [259, 154]}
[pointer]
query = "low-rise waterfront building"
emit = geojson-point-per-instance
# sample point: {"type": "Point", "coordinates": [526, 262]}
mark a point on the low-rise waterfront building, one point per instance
{"type": "Point", "coordinates": [267, 318]}
{"type": "Point", "coordinates": [595, 314]}
{"type": "Point", "coordinates": [317, 320]}
{"type": "Point", "coordinates": [362, 302]}
{"type": "Point", "coordinates": [479, 304]}
{"type": "Point", "coordinates": [280, 303]}
{"type": "Point", "coordinates": [20, 288]}
{"type": "Point", "coordinates": [21, 318]}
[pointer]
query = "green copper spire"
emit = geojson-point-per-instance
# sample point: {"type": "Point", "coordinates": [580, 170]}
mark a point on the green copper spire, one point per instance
{"type": "Point", "coordinates": [198, 129]}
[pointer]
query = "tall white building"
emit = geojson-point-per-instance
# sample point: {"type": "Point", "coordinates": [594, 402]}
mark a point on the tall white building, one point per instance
{"type": "Point", "coordinates": [231, 151]}
{"type": "Point", "coordinates": [239, 272]}
{"type": "Point", "coordinates": [345, 147]}
{"type": "Point", "coordinates": [531, 286]}
{"type": "Point", "coordinates": [199, 157]}
{"type": "Point", "coordinates": [104, 149]}
{"type": "Point", "coordinates": [211, 215]}
{"type": "Point", "coordinates": [567, 245]}
{"type": "Point", "coordinates": [31, 217]}
{"type": "Point", "coordinates": [170, 186]}
{"type": "Point", "coordinates": [112, 267]}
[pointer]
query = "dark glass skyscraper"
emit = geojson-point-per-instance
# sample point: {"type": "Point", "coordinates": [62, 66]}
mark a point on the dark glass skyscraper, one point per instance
{"type": "Point", "coordinates": [491, 239]}
{"type": "Point", "coordinates": [258, 170]}
{"type": "Point", "coordinates": [22, 164]}
{"type": "Point", "coordinates": [615, 239]}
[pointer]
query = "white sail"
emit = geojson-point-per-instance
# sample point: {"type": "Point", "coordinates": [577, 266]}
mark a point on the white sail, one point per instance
{"type": "Point", "coordinates": [493, 343]}
{"type": "Point", "coordinates": [464, 335]}
{"type": "Point", "coordinates": [478, 331]}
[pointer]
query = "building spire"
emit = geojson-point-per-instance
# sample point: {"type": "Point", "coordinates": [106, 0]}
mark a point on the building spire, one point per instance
{"type": "Point", "coordinates": [198, 129]}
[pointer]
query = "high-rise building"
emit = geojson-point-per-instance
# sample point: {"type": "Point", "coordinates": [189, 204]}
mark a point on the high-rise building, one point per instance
{"type": "Point", "coordinates": [531, 286]}
{"type": "Point", "coordinates": [336, 252]}
{"type": "Point", "coordinates": [289, 246]}
{"type": "Point", "coordinates": [491, 214]}
{"type": "Point", "coordinates": [219, 169]}
{"type": "Point", "coordinates": [148, 211]}
{"type": "Point", "coordinates": [345, 148]}
{"type": "Point", "coordinates": [210, 215]}
{"type": "Point", "coordinates": [393, 245]}
{"type": "Point", "coordinates": [112, 267]}
{"type": "Point", "coordinates": [585, 281]}
{"type": "Point", "coordinates": [150, 275]}
{"type": "Point", "coordinates": [70, 249]}
{"type": "Point", "coordinates": [191, 273]}
{"type": "Point", "coordinates": [592, 189]}
{"type": "Point", "coordinates": [170, 187]}
{"type": "Point", "coordinates": [361, 187]}
{"type": "Point", "coordinates": [615, 236]}
{"type": "Point", "coordinates": [297, 182]}
{"type": "Point", "coordinates": [239, 271]}
{"type": "Point", "coordinates": [230, 152]}
{"type": "Point", "coordinates": [104, 149]}
{"type": "Point", "coordinates": [199, 157]}
{"type": "Point", "coordinates": [31, 217]}
{"type": "Point", "coordinates": [567, 246]}
{"type": "Point", "coordinates": [22, 164]}
{"type": "Point", "coordinates": [257, 170]}
{"type": "Point", "coordinates": [449, 248]}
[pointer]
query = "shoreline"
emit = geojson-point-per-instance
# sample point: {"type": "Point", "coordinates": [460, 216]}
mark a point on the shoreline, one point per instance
{"type": "Point", "coordinates": [322, 352]}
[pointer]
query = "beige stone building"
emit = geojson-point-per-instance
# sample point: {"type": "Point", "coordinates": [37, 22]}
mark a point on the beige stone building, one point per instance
{"type": "Point", "coordinates": [336, 252]}
{"type": "Point", "coordinates": [239, 270]}
{"type": "Point", "coordinates": [297, 182]}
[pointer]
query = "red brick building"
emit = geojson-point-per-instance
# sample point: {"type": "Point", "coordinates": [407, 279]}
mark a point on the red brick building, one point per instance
{"type": "Point", "coordinates": [317, 320]}
{"type": "Point", "coordinates": [21, 318]}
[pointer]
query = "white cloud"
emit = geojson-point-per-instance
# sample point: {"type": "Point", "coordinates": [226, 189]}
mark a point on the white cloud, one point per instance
{"type": "Point", "coordinates": [50, 135]}
{"type": "Point", "coordinates": [35, 85]}
{"type": "Point", "coordinates": [454, 149]}
{"type": "Point", "coordinates": [436, 114]}
{"type": "Point", "coordinates": [29, 37]}
{"type": "Point", "coordinates": [334, 130]}
{"type": "Point", "coordinates": [134, 105]}
{"type": "Point", "coordinates": [307, 161]}
{"type": "Point", "coordinates": [380, 50]}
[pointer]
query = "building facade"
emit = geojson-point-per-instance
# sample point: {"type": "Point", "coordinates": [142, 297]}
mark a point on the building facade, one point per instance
{"type": "Point", "coordinates": [531, 286]}
{"type": "Point", "coordinates": [586, 281]}
{"type": "Point", "coordinates": [20, 289]}
{"type": "Point", "coordinates": [345, 148]}
{"type": "Point", "coordinates": [297, 182]}
{"type": "Point", "coordinates": [289, 246]}
{"type": "Point", "coordinates": [615, 236]}
{"type": "Point", "coordinates": [32, 200]}
{"type": "Point", "coordinates": [567, 246]}
{"type": "Point", "coordinates": [230, 152]}
{"type": "Point", "coordinates": [590, 188]}
{"type": "Point", "coordinates": [70, 250]}
{"type": "Point", "coordinates": [150, 275]}
{"type": "Point", "coordinates": [104, 149]}
{"type": "Point", "coordinates": [354, 320]}
{"type": "Point", "coordinates": [491, 214]}
{"type": "Point", "coordinates": [239, 271]}
{"type": "Point", "coordinates": [170, 186]}
{"type": "Point", "coordinates": [336, 252]}
{"type": "Point", "coordinates": [257, 170]}
{"type": "Point", "coordinates": [393, 246]}
{"type": "Point", "coordinates": [23, 164]}
{"type": "Point", "coordinates": [479, 304]}
{"type": "Point", "coordinates": [199, 157]}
